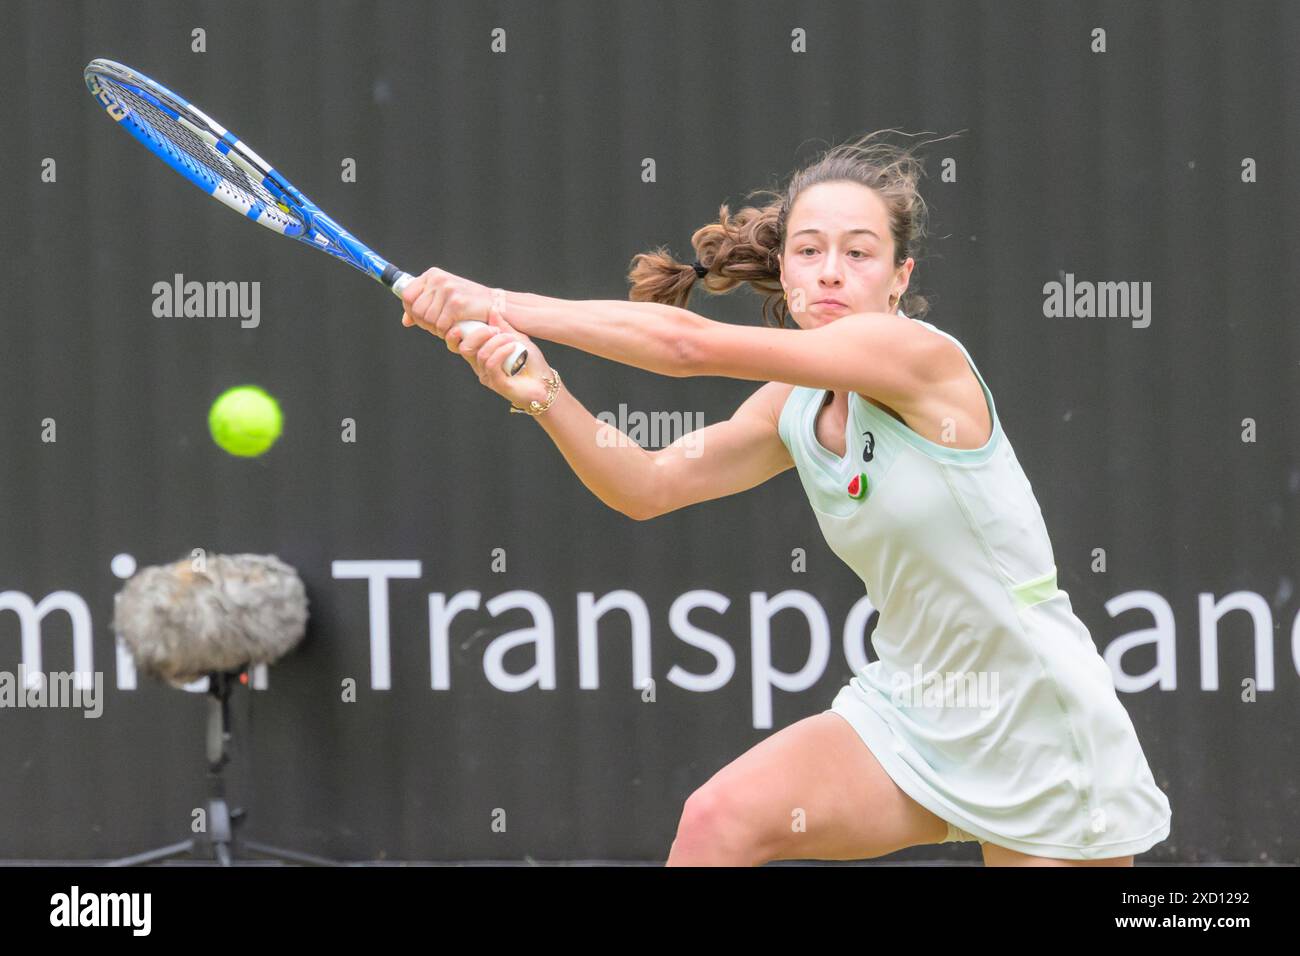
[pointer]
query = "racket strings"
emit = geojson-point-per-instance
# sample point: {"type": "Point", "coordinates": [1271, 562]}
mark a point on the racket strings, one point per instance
{"type": "Point", "coordinates": [190, 149]}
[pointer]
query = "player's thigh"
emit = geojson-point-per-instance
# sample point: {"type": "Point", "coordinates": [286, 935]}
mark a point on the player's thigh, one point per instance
{"type": "Point", "coordinates": [1001, 856]}
{"type": "Point", "coordinates": [815, 791]}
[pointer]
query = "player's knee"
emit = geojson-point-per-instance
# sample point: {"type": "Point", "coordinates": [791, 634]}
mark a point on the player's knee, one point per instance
{"type": "Point", "coordinates": [716, 829]}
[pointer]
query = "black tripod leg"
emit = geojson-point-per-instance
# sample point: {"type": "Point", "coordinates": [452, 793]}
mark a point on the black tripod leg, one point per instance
{"type": "Point", "coordinates": [289, 856]}
{"type": "Point", "coordinates": [184, 848]}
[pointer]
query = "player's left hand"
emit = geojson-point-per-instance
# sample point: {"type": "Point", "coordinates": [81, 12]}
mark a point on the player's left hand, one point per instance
{"type": "Point", "coordinates": [486, 350]}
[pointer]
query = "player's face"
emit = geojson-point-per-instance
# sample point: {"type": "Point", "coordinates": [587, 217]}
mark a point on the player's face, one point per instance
{"type": "Point", "coordinates": [838, 256]}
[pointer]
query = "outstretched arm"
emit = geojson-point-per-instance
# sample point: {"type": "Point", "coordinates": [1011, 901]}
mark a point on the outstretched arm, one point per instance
{"type": "Point", "coordinates": [721, 459]}
{"type": "Point", "coordinates": [889, 357]}
{"type": "Point", "coordinates": [875, 353]}
{"type": "Point", "coordinates": [646, 335]}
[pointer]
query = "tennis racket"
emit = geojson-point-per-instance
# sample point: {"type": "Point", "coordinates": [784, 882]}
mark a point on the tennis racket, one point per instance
{"type": "Point", "coordinates": [214, 159]}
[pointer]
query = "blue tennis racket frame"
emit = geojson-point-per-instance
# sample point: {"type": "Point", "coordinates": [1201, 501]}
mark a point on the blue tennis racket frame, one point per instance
{"type": "Point", "coordinates": [289, 212]}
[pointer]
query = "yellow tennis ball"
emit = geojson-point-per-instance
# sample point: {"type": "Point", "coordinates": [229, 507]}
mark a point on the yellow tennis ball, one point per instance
{"type": "Point", "coordinates": [245, 421]}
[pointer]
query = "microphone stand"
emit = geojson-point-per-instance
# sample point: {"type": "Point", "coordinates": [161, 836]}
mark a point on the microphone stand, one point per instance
{"type": "Point", "coordinates": [219, 841]}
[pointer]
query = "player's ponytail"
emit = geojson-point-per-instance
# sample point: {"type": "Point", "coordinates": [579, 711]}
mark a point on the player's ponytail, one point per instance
{"type": "Point", "coordinates": [737, 248]}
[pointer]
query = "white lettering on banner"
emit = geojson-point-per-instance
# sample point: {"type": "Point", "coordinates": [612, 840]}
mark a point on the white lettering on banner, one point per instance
{"type": "Point", "coordinates": [31, 615]}
{"type": "Point", "coordinates": [592, 610]}
{"type": "Point", "coordinates": [764, 675]}
{"type": "Point", "coordinates": [679, 623]}
{"type": "Point", "coordinates": [377, 573]}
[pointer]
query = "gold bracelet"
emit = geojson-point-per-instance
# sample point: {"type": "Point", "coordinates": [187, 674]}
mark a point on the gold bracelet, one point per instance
{"type": "Point", "coordinates": [535, 407]}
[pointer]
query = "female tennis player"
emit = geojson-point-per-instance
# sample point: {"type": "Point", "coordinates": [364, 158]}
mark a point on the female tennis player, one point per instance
{"type": "Point", "coordinates": [914, 484]}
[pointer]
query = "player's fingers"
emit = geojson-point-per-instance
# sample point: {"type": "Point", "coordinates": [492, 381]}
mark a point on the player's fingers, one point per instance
{"type": "Point", "coordinates": [484, 352]}
{"type": "Point", "coordinates": [412, 292]}
{"type": "Point", "coordinates": [420, 308]}
{"type": "Point", "coordinates": [429, 310]}
{"type": "Point", "coordinates": [477, 337]}
{"type": "Point", "coordinates": [453, 308]}
{"type": "Point", "coordinates": [501, 347]}
{"type": "Point", "coordinates": [443, 318]}
{"type": "Point", "coordinates": [484, 366]}
{"type": "Point", "coordinates": [475, 346]}
{"type": "Point", "coordinates": [510, 340]}
{"type": "Point", "coordinates": [409, 320]}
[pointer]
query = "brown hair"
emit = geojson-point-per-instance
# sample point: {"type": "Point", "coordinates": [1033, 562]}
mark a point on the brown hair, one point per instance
{"type": "Point", "coordinates": [745, 247]}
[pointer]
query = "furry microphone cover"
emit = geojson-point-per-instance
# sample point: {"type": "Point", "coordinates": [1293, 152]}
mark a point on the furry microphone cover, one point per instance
{"type": "Point", "coordinates": [187, 619]}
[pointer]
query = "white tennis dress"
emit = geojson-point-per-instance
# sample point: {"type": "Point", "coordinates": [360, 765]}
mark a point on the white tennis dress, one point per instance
{"type": "Point", "coordinates": [989, 704]}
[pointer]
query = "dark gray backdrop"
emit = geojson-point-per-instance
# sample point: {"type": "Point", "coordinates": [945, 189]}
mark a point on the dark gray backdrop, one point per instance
{"type": "Point", "coordinates": [522, 169]}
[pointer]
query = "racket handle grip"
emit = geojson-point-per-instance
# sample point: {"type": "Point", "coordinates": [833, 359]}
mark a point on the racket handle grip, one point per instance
{"type": "Point", "coordinates": [518, 357]}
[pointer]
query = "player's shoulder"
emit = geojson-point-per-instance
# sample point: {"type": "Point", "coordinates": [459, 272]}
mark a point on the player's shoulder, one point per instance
{"type": "Point", "coordinates": [929, 332]}
{"type": "Point", "coordinates": [948, 356]}
{"type": "Point", "coordinates": [921, 335]}
{"type": "Point", "coordinates": [775, 395]}
{"type": "Point", "coordinates": [766, 402]}
{"type": "Point", "coordinates": [935, 353]}
{"type": "Point", "coordinates": [900, 341]}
